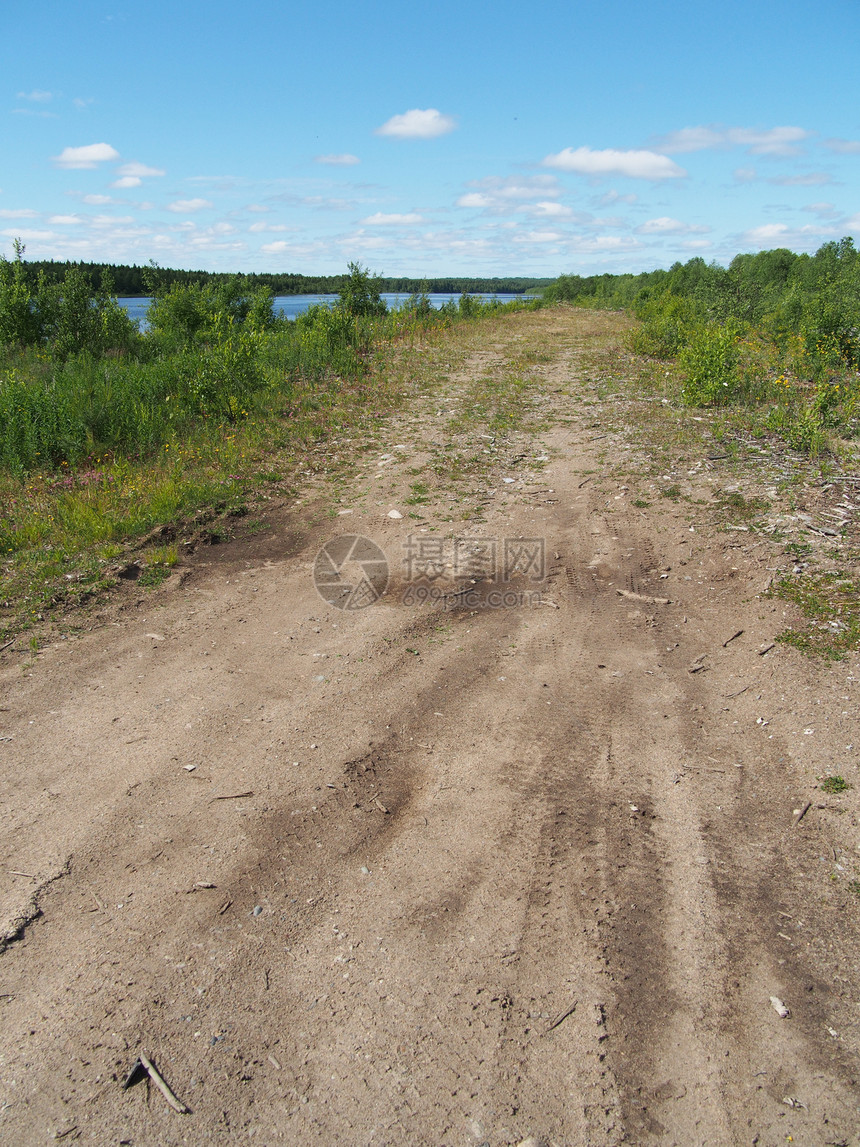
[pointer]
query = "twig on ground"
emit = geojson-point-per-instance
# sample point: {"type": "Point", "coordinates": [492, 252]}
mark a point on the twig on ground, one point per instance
{"type": "Point", "coordinates": [803, 812]}
{"type": "Point", "coordinates": [561, 1018]}
{"type": "Point", "coordinates": [232, 796]}
{"type": "Point", "coordinates": [733, 636]}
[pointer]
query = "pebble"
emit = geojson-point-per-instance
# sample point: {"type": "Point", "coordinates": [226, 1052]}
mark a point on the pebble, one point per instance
{"type": "Point", "coordinates": [394, 514]}
{"type": "Point", "coordinates": [258, 911]}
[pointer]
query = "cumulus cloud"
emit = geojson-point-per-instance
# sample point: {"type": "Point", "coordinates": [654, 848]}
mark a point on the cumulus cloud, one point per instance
{"type": "Point", "coordinates": [69, 219]}
{"type": "Point", "coordinates": [496, 194]}
{"type": "Point", "coordinates": [184, 206]}
{"type": "Point", "coordinates": [538, 237]}
{"type": "Point", "coordinates": [616, 197]}
{"type": "Point", "coordinates": [808, 179]}
{"type": "Point", "coordinates": [781, 235]}
{"type": "Point", "coordinates": [822, 210]}
{"type": "Point", "coordinates": [133, 175]}
{"type": "Point", "coordinates": [85, 158]}
{"type": "Point", "coordinates": [380, 219]}
{"type": "Point", "coordinates": [17, 213]}
{"type": "Point", "coordinates": [36, 96]}
{"type": "Point", "coordinates": [771, 141]}
{"type": "Point", "coordinates": [636, 164]}
{"type": "Point", "coordinates": [664, 225]}
{"type": "Point", "coordinates": [550, 210]}
{"type": "Point", "coordinates": [418, 124]}
{"type": "Point", "coordinates": [344, 160]}
{"type": "Point", "coordinates": [97, 200]}
{"type": "Point", "coordinates": [843, 146]}
{"type": "Point", "coordinates": [267, 227]}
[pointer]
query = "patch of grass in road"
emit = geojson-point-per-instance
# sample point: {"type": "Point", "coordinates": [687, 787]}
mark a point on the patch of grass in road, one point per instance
{"type": "Point", "coordinates": [833, 785]}
{"type": "Point", "coordinates": [830, 604]}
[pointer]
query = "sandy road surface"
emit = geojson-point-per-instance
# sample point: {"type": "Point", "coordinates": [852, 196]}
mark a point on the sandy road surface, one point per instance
{"type": "Point", "coordinates": [439, 874]}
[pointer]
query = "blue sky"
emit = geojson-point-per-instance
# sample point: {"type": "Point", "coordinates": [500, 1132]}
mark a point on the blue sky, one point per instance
{"type": "Point", "coordinates": [425, 139]}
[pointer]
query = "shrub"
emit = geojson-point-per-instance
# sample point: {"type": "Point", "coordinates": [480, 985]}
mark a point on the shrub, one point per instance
{"type": "Point", "coordinates": [710, 361]}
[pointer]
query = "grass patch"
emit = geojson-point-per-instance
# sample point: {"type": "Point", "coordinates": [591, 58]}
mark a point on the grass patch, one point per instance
{"type": "Point", "coordinates": [834, 785]}
{"type": "Point", "coordinates": [830, 602]}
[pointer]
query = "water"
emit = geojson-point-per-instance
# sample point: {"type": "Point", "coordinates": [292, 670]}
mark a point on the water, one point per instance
{"type": "Point", "coordinates": [293, 305]}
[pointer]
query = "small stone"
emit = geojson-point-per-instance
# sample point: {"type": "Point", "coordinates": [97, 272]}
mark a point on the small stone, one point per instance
{"type": "Point", "coordinates": [779, 1007]}
{"type": "Point", "coordinates": [394, 514]}
{"type": "Point", "coordinates": [258, 911]}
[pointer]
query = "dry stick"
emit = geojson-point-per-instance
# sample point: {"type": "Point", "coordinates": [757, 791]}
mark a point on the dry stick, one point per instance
{"type": "Point", "coordinates": [733, 636]}
{"type": "Point", "coordinates": [560, 1019]}
{"type": "Point", "coordinates": [232, 796]}
{"type": "Point", "coordinates": [15, 872]}
{"type": "Point", "coordinates": [175, 1103]}
{"type": "Point", "coordinates": [6, 646]}
{"type": "Point", "coordinates": [804, 811]}
{"type": "Point", "coordinates": [728, 696]}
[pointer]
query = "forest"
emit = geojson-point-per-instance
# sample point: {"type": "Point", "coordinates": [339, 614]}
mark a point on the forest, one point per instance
{"type": "Point", "coordinates": [775, 333]}
{"type": "Point", "coordinates": [142, 281]}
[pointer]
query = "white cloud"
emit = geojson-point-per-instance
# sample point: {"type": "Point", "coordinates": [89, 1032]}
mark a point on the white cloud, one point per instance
{"type": "Point", "coordinates": [85, 158]}
{"type": "Point", "coordinates": [267, 227]}
{"type": "Point", "coordinates": [18, 213]}
{"type": "Point", "coordinates": [771, 141]}
{"type": "Point", "coordinates": [809, 179]}
{"type": "Point", "coordinates": [183, 206]}
{"type": "Point", "coordinates": [15, 233]}
{"type": "Point", "coordinates": [258, 208]}
{"type": "Point", "coordinates": [344, 160]}
{"type": "Point", "coordinates": [140, 170]}
{"type": "Point", "coordinates": [667, 226]}
{"type": "Point", "coordinates": [550, 210]}
{"type": "Point", "coordinates": [498, 194]}
{"type": "Point", "coordinates": [97, 200]}
{"type": "Point", "coordinates": [843, 146]}
{"type": "Point", "coordinates": [781, 235]}
{"type": "Point", "coordinates": [696, 244]}
{"type": "Point", "coordinates": [418, 124]}
{"type": "Point", "coordinates": [637, 164]}
{"type": "Point", "coordinates": [538, 237]}
{"type": "Point", "coordinates": [616, 197]}
{"type": "Point", "coordinates": [380, 219]}
{"type": "Point", "coordinates": [745, 174]}
{"type": "Point", "coordinates": [70, 219]}
{"type": "Point", "coordinates": [37, 96]}
{"type": "Point", "coordinates": [133, 175]}
{"type": "Point", "coordinates": [822, 210]}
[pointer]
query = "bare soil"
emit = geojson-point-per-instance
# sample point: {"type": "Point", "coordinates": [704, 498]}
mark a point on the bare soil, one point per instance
{"type": "Point", "coordinates": [440, 872]}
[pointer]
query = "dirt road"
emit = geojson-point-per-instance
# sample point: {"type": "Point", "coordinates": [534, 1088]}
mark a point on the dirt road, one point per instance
{"type": "Point", "coordinates": [438, 872]}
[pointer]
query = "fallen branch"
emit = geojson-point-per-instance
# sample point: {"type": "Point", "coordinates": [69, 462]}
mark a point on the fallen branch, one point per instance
{"type": "Point", "coordinates": [143, 1062]}
{"type": "Point", "coordinates": [803, 812]}
{"type": "Point", "coordinates": [232, 796]}
{"type": "Point", "coordinates": [561, 1018]}
{"type": "Point", "coordinates": [631, 596]}
{"type": "Point", "coordinates": [6, 646]}
{"type": "Point", "coordinates": [733, 636]}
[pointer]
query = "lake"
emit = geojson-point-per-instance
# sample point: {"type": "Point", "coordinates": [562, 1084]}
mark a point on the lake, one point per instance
{"type": "Point", "coordinates": [293, 305]}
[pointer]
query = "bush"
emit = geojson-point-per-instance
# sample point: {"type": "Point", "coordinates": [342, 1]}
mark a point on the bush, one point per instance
{"type": "Point", "coordinates": [710, 361]}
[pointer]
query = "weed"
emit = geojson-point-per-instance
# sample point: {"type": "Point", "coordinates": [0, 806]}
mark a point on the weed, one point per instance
{"type": "Point", "coordinates": [831, 604]}
{"type": "Point", "coordinates": [834, 785]}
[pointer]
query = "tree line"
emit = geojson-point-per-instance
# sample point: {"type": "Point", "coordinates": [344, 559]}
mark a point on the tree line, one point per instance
{"type": "Point", "coordinates": [133, 280]}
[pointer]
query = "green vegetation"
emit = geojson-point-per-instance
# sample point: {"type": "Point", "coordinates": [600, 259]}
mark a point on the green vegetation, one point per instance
{"type": "Point", "coordinates": [107, 433]}
{"type": "Point", "coordinates": [775, 333]}
{"type": "Point", "coordinates": [132, 281]}
{"type": "Point", "coordinates": [834, 785]}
